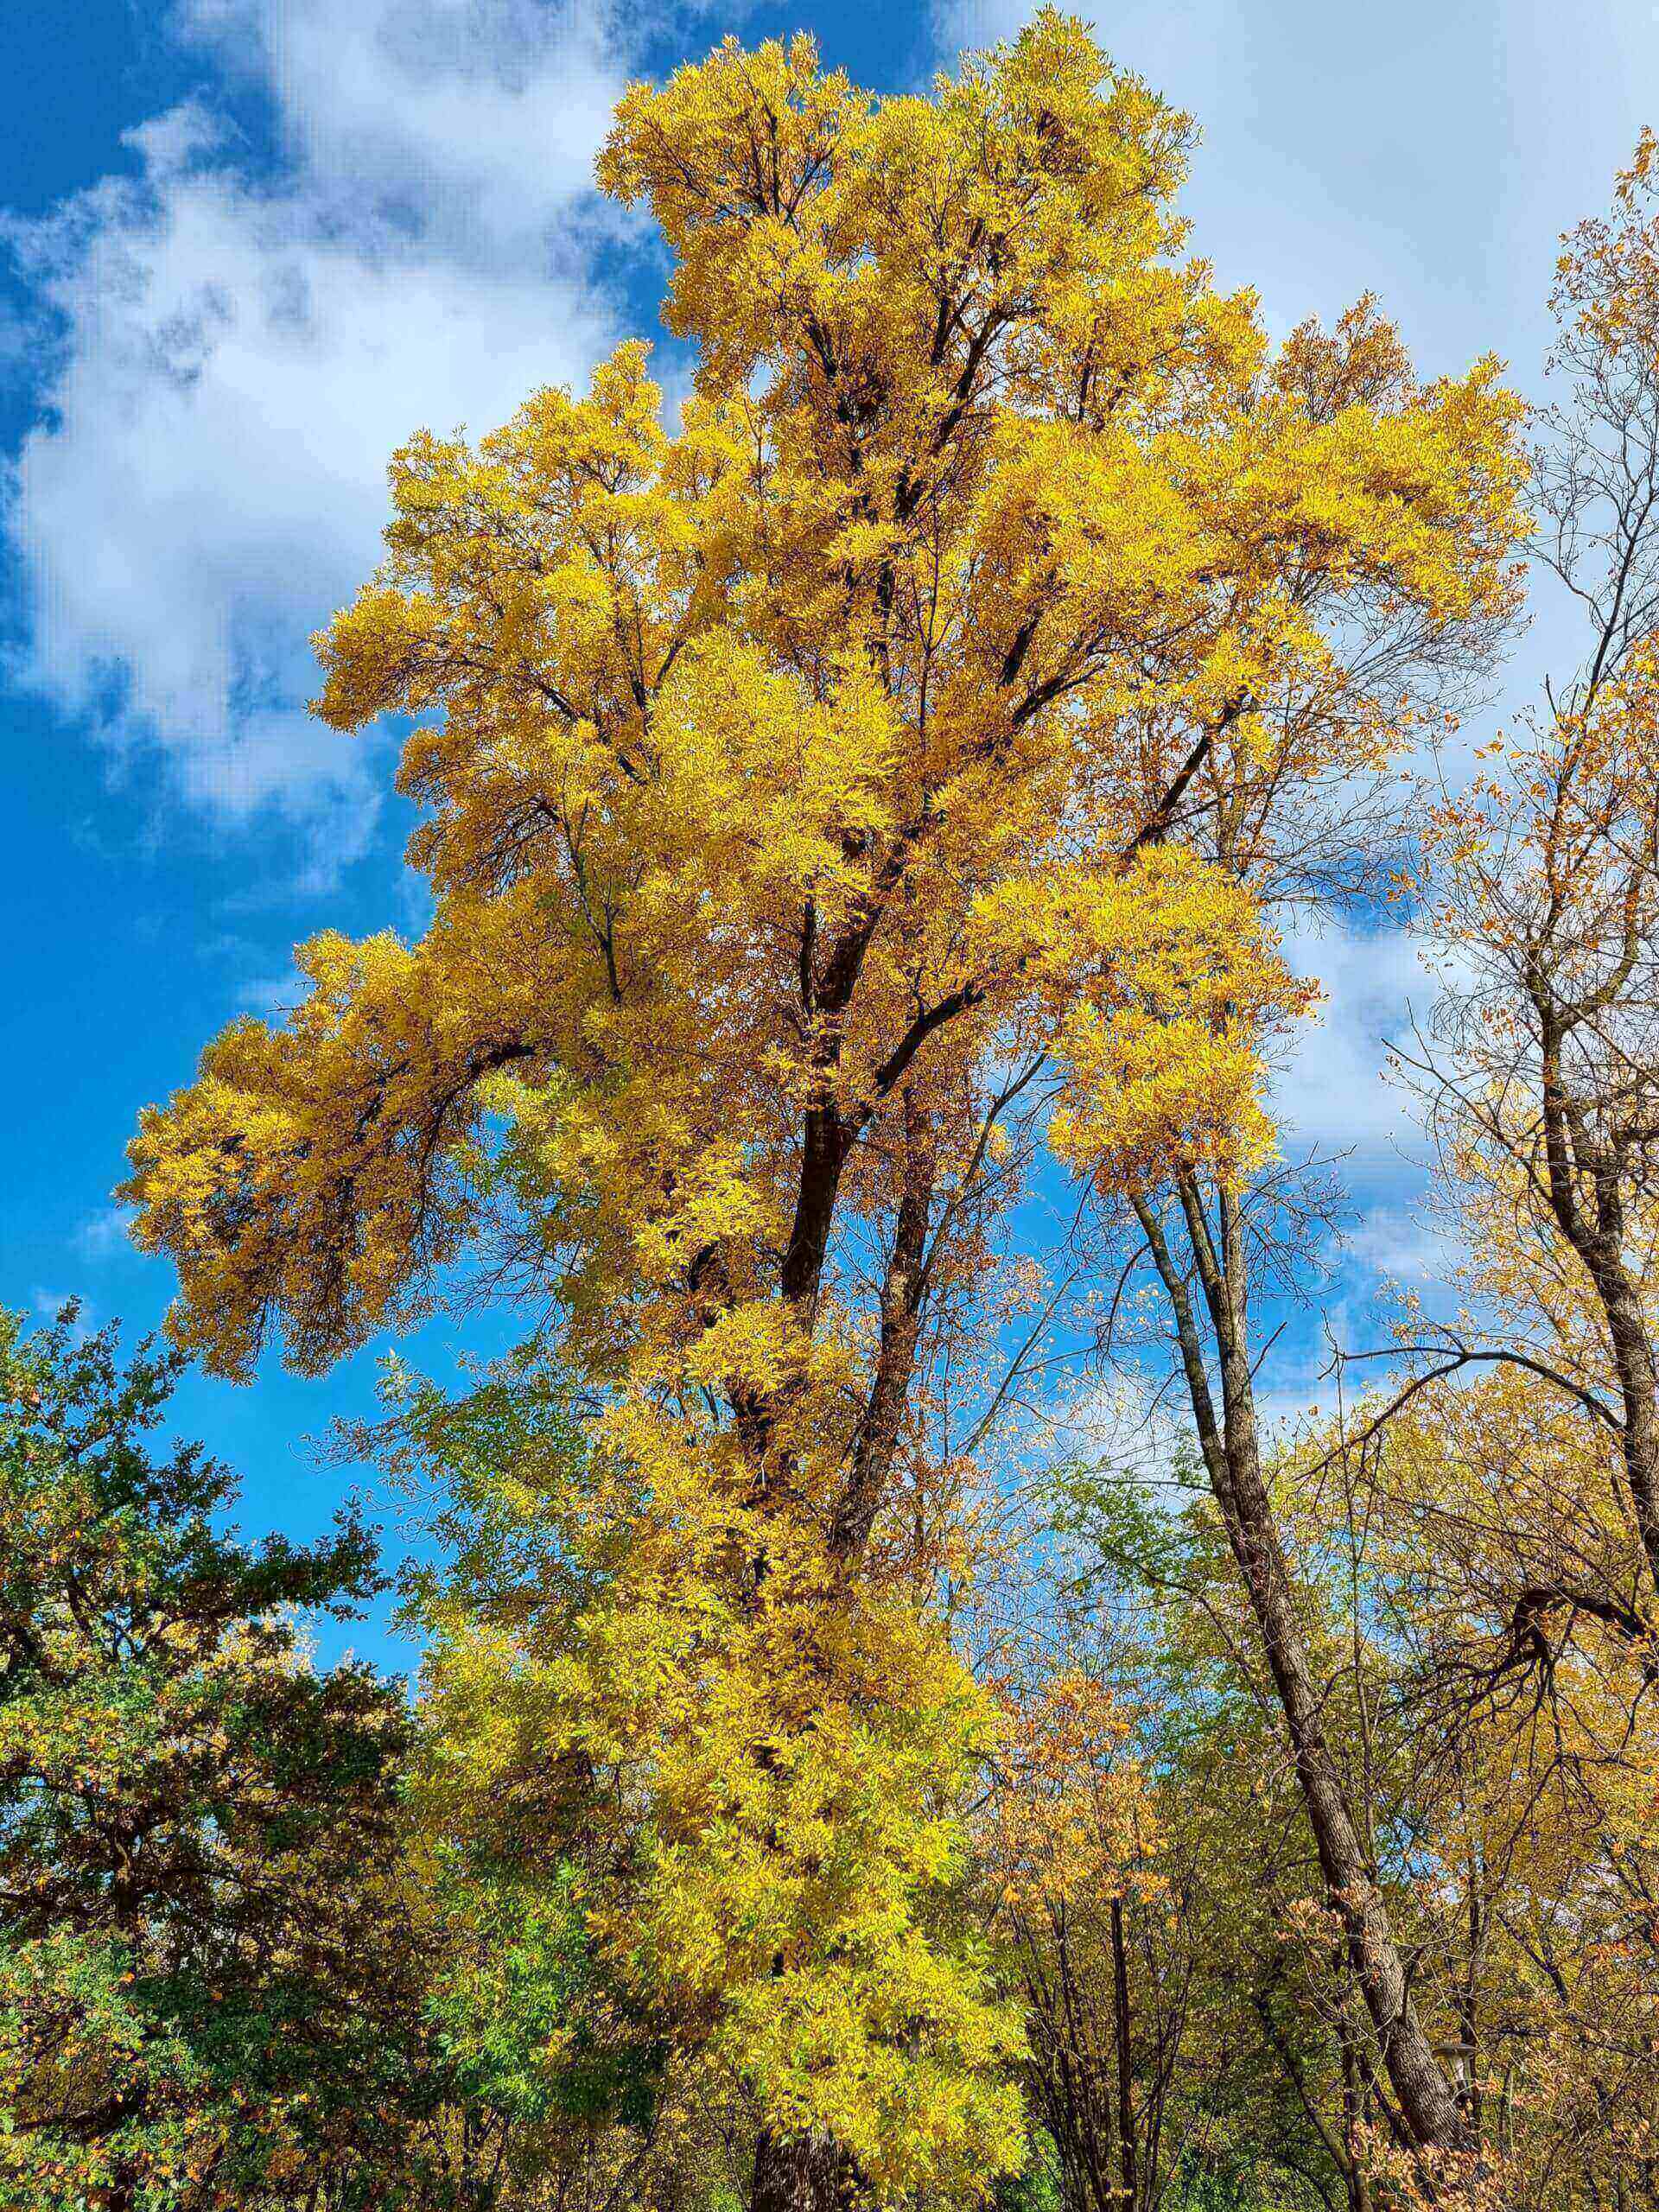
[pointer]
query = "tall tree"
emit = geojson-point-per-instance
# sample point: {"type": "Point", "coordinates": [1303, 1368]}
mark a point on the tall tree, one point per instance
{"type": "Point", "coordinates": [795, 783]}
{"type": "Point", "coordinates": [1544, 1079]}
{"type": "Point", "coordinates": [1301, 808]}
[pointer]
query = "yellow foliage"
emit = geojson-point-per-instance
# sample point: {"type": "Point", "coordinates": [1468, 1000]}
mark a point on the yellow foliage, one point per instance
{"type": "Point", "coordinates": [760, 1780]}
{"type": "Point", "coordinates": [754, 754]}
{"type": "Point", "coordinates": [783, 773]}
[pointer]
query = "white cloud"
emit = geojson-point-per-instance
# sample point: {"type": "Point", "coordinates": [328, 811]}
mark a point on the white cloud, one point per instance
{"type": "Point", "coordinates": [271, 997]}
{"type": "Point", "coordinates": [1332, 1091]}
{"type": "Point", "coordinates": [1401, 1244]}
{"type": "Point", "coordinates": [104, 1234]}
{"type": "Point", "coordinates": [483, 115]}
{"type": "Point", "coordinates": [240, 354]}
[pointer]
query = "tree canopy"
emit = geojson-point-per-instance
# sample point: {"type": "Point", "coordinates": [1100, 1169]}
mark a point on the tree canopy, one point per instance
{"type": "Point", "coordinates": [860, 812]}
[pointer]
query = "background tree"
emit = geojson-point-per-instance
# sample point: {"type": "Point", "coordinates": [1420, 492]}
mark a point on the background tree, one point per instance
{"type": "Point", "coordinates": [1070, 1838]}
{"type": "Point", "coordinates": [1530, 1782]}
{"type": "Point", "coordinates": [1520, 1513]}
{"type": "Point", "coordinates": [208, 1988]}
{"type": "Point", "coordinates": [1254, 2078]}
{"type": "Point", "coordinates": [1542, 1075]}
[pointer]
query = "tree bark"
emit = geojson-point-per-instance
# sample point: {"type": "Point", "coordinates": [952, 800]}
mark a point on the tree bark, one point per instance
{"type": "Point", "coordinates": [801, 2173]}
{"type": "Point", "coordinates": [1230, 1443]}
{"type": "Point", "coordinates": [1595, 1230]}
{"type": "Point", "coordinates": [1121, 2035]}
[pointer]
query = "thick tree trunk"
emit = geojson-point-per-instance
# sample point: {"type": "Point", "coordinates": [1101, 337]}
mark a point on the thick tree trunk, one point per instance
{"type": "Point", "coordinates": [1231, 1445]}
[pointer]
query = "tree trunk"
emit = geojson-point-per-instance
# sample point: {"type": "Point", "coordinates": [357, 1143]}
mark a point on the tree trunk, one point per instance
{"type": "Point", "coordinates": [1232, 1449]}
{"type": "Point", "coordinates": [1120, 2035]}
{"type": "Point", "coordinates": [1595, 1230]}
{"type": "Point", "coordinates": [801, 2173]}
{"type": "Point", "coordinates": [1353, 2115]}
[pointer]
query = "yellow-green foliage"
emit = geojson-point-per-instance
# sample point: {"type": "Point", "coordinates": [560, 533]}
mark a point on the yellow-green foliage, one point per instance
{"type": "Point", "coordinates": [784, 771]}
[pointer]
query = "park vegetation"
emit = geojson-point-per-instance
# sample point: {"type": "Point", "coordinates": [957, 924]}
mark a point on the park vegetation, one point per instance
{"type": "Point", "coordinates": [861, 819]}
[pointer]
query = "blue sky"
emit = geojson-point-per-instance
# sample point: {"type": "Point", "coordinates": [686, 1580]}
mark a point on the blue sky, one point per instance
{"type": "Point", "coordinates": [249, 244]}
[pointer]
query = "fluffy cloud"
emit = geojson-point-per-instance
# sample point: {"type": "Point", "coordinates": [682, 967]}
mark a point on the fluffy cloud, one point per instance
{"type": "Point", "coordinates": [479, 115]}
{"type": "Point", "coordinates": [238, 347]}
{"type": "Point", "coordinates": [1331, 1093]}
{"type": "Point", "coordinates": [103, 1236]}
